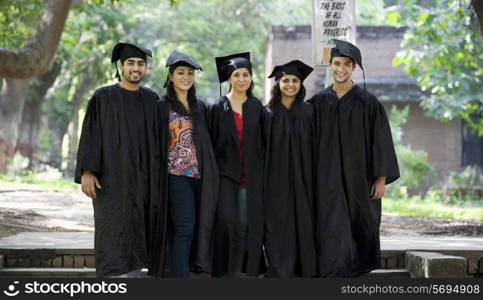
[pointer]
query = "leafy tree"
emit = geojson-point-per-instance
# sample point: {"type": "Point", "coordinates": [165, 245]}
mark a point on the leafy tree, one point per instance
{"type": "Point", "coordinates": [20, 65]}
{"type": "Point", "coordinates": [18, 20]}
{"type": "Point", "coordinates": [443, 51]}
{"type": "Point", "coordinates": [29, 129]}
{"type": "Point", "coordinates": [85, 48]}
{"type": "Point", "coordinates": [370, 12]}
{"type": "Point", "coordinates": [26, 52]}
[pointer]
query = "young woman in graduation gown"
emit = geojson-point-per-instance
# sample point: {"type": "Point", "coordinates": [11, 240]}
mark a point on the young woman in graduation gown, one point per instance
{"type": "Point", "coordinates": [192, 179]}
{"type": "Point", "coordinates": [234, 124]}
{"type": "Point", "coordinates": [288, 179]}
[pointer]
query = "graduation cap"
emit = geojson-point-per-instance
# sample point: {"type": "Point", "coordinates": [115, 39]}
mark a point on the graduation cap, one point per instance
{"type": "Point", "coordinates": [225, 65]}
{"type": "Point", "coordinates": [347, 49]}
{"type": "Point", "coordinates": [294, 67]}
{"type": "Point", "coordinates": [123, 51]}
{"type": "Point", "coordinates": [180, 59]}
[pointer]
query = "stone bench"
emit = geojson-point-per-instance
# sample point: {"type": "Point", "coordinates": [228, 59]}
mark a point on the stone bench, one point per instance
{"type": "Point", "coordinates": [435, 265]}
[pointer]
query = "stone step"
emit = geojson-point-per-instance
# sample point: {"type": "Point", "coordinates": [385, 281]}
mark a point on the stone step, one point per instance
{"type": "Point", "coordinates": [75, 250]}
{"type": "Point", "coordinates": [435, 265]}
{"type": "Point", "coordinates": [388, 273]}
{"type": "Point", "coordinates": [91, 273]}
{"type": "Point", "coordinates": [65, 273]}
{"type": "Point", "coordinates": [48, 273]}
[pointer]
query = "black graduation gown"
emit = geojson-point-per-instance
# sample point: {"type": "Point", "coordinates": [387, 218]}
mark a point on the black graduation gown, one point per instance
{"type": "Point", "coordinates": [120, 143]}
{"type": "Point", "coordinates": [354, 147]}
{"type": "Point", "coordinates": [222, 129]}
{"type": "Point", "coordinates": [288, 190]}
{"type": "Point", "coordinates": [202, 250]}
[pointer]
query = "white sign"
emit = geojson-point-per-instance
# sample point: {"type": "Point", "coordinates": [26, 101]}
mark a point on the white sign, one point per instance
{"type": "Point", "coordinates": [332, 19]}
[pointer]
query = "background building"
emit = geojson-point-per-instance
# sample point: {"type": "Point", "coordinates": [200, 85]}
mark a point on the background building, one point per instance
{"type": "Point", "coordinates": [450, 146]}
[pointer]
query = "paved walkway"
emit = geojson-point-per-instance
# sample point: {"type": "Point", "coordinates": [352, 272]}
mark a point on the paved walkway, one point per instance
{"type": "Point", "coordinates": [85, 240]}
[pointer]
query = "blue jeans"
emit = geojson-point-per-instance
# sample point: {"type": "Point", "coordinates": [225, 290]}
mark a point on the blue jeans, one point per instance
{"type": "Point", "coordinates": [241, 233]}
{"type": "Point", "coordinates": [182, 194]}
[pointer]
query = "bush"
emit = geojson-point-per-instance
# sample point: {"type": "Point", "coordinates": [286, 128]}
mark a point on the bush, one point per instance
{"type": "Point", "coordinates": [416, 172]}
{"type": "Point", "coordinates": [461, 187]}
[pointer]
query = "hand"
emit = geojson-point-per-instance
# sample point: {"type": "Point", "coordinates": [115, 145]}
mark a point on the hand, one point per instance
{"type": "Point", "coordinates": [88, 183]}
{"type": "Point", "coordinates": [378, 188]}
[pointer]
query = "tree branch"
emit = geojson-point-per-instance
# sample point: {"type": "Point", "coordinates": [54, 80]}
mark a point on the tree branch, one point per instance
{"type": "Point", "coordinates": [33, 59]}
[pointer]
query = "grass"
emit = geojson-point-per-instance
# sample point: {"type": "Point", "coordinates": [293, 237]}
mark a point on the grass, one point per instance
{"type": "Point", "coordinates": [50, 181]}
{"type": "Point", "coordinates": [417, 207]}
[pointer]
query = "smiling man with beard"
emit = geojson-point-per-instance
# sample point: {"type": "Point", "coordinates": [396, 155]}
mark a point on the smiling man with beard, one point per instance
{"type": "Point", "coordinates": [119, 167]}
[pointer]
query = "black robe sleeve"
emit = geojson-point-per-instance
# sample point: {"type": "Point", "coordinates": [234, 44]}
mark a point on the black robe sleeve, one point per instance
{"type": "Point", "coordinates": [90, 144]}
{"type": "Point", "coordinates": [208, 193]}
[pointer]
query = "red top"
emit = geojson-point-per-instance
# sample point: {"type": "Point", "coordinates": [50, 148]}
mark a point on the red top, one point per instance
{"type": "Point", "coordinates": [239, 137]}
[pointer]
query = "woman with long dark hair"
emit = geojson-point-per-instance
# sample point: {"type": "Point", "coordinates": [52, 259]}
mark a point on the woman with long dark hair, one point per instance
{"type": "Point", "coordinates": [288, 178]}
{"type": "Point", "coordinates": [235, 128]}
{"type": "Point", "coordinates": [192, 172]}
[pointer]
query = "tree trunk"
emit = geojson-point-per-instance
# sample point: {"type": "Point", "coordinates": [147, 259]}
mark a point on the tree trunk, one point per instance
{"type": "Point", "coordinates": [69, 171]}
{"type": "Point", "coordinates": [28, 140]}
{"type": "Point", "coordinates": [478, 7]}
{"type": "Point", "coordinates": [11, 103]}
{"type": "Point", "coordinates": [19, 65]}
{"type": "Point", "coordinates": [57, 132]}
{"type": "Point", "coordinates": [82, 88]}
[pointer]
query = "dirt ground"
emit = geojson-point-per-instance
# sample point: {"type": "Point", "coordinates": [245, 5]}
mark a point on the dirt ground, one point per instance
{"type": "Point", "coordinates": [29, 208]}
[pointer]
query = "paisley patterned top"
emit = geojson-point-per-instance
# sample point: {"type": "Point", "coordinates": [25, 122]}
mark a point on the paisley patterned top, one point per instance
{"type": "Point", "coordinates": [182, 159]}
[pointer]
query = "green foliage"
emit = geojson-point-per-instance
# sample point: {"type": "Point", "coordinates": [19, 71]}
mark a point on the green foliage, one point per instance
{"type": "Point", "coordinates": [461, 187]}
{"type": "Point", "coordinates": [103, 1]}
{"type": "Point", "coordinates": [370, 12]}
{"type": "Point", "coordinates": [415, 169]}
{"type": "Point", "coordinates": [50, 180]}
{"type": "Point", "coordinates": [443, 51]}
{"type": "Point", "coordinates": [416, 172]}
{"type": "Point", "coordinates": [44, 142]}
{"type": "Point", "coordinates": [18, 21]}
{"type": "Point", "coordinates": [432, 207]}
{"type": "Point", "coordinates": [469, 179]}
{"type": "Point", "coordinates": [459, 198]}
{"type": "Point", "coordinates": [89, 35]}
{"type": "Point", "coordinates": [208, 28]}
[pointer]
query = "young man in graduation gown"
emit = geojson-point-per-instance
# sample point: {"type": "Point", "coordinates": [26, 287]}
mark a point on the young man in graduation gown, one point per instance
{"type": "Point", "coordinates": [356, 159]}
{"type": "Point", "coordinates": [119, 167]}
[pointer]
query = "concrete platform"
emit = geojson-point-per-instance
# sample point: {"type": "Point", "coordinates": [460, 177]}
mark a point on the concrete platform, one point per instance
{"type": "Point", "coordinates": [91, 273]}
{"type": "Point", "coordinates": [85, 240]}
{"type": "Point", "coordinates": [52, 251]}
{"type": "Point", "coordinates": [431, 243]}
{"type": "Point", "coordinates": [49, 240]}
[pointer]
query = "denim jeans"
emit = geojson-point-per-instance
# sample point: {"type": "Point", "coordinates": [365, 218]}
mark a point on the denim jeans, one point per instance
{"type": "Point", "coordinates": [182, 194]}
{"type": "Point", "coordinates": [241, 233]}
